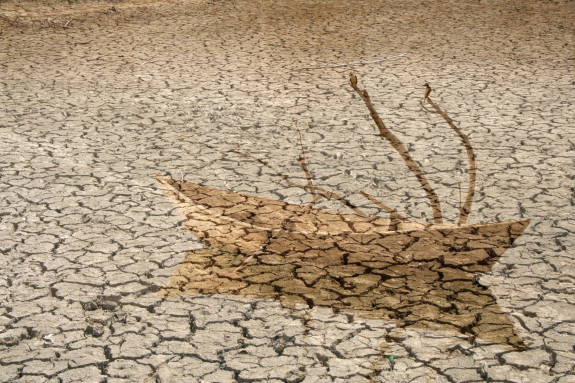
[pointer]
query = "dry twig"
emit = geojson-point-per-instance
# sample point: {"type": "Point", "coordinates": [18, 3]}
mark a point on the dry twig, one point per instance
{"type": "Point", "coordinates": [472, 167]}
{"type": "Point", "coordinates": [392, 212]}
{"type": "Point", "coordinates": [402, 150]}
{"type": "Point", "coordinates": [303, 163]}
{"type": "Point", "coordinates": [68, 23]}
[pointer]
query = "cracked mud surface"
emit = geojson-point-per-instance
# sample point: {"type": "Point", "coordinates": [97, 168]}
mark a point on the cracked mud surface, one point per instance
{"type": "Point", "coordinates": [92, 250]}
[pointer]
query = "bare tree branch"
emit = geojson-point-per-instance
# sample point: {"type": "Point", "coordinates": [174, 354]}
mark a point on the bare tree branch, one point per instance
{"type": "Point", "coordinates": [403, 152]}
{"type": "Point", "coordinates": [303, 163]}
{"type": "Point", "coordinates": [472, 167]}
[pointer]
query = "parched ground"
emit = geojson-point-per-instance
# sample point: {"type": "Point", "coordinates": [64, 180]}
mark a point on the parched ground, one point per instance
{"type": "Point", "coordinates": [97, 97]}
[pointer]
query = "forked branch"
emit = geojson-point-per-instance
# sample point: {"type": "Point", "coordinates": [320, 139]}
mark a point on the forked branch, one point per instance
{"type": "Point", "coordinates": [402, 150]}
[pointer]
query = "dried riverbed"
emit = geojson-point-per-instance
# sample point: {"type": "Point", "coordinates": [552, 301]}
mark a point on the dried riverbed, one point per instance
{"type": "Point", "coordinates": [97, 97]}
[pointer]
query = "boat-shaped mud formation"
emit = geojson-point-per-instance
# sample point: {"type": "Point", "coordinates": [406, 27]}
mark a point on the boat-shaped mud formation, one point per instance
{"type": "Point", "coordinates": [276, 232]}
{"type": "Point", "coordinates": [419, 274]}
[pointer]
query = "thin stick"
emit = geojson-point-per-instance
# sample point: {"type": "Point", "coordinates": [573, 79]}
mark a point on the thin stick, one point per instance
{"type": "Point", "coordinates": [400, 148]}
{"type": "Point", "coordinates": [315, 200]}
{"type": "Point", "coordinates": [391, 211]}
{"type": "Point", "coordinates": [472, 167]}
{"type": "Point", "coordinates": [303, 163]}
{"type": "Point", "coordinates": [355, 63]}
{"type": "Point", "coordinates": [428, 110]}
{"type": "Point", "coordinates": [460, 208]}
{"type": "Point", "coordinates": [330, 195]}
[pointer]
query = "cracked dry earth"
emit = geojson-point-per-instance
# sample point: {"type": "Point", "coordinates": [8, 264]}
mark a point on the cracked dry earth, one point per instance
{"type": "Point", "coordinates": [101, 282]}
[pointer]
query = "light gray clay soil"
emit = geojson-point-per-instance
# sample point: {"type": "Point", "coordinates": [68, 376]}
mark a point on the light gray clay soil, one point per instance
{"type": "Point", "coordinates": [98, 97]}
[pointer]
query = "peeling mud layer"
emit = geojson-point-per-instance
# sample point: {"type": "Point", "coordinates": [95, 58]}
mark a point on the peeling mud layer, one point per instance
{"type": "Point", "coordinates": [101, 281]}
